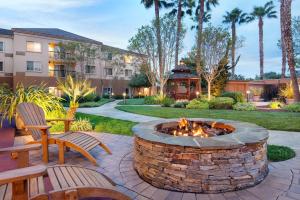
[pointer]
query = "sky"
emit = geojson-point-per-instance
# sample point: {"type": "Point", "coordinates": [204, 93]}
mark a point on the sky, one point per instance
{"type": "Point", "coordinates": [114, 22]}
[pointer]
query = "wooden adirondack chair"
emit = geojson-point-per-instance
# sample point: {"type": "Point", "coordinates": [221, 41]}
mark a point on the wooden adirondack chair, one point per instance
{"type": "Point", "coordinates": [34, 121]}
{"type": "Point", "coordinates": [69, 182]}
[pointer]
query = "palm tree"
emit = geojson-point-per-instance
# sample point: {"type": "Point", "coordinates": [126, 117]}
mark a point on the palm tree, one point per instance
{"type": "Point", "coordinates": [75, 89]}
{"type": "Point", "coordinates": [200, 12]}
{"type": "Point", "coordinates": [260, 12]}
{"type": "Point", "coordinates": [288, 40]}
{"type": "Point", "coordinates": [181, 7]}
{"type": "Point", "coordinates": [157, 5]}
{"type": "Point", "coordinates": [282, 44]}
{"type": "Point", "coordinates": [234, 17]}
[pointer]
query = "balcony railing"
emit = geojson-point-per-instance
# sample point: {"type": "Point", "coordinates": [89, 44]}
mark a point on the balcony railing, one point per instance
{"type": "Point", "coordinates": [60, 56]}
{"type": "Point", "coordinates": [62, 73]}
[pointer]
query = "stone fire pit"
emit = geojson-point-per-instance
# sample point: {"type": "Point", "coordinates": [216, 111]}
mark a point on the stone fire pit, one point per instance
{"type": "Point", "coordinates": [202, 165]}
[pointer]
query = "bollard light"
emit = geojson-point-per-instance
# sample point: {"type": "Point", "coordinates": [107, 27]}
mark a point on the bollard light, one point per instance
{"type": "Point", "coordinates": [197, 94]}
{"type": "Point", "coordinates": [248, 95]}
{"type": "Point", "coordinates": [124, 97]}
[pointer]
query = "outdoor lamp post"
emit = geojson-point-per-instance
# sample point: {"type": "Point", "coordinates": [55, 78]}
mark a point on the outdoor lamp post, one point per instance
{"type": "Point", "coordinates": [124, 97]}
{"type": "Point", "coordinates": [248, 95]}
{"type": "Point", "coordinates": [197, 94]}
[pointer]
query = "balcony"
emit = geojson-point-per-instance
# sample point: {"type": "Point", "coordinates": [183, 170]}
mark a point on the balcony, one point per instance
{"type": "Point", "coordinates": [62, 73]}
{"type": "Point", "coordinates": [60, 56]}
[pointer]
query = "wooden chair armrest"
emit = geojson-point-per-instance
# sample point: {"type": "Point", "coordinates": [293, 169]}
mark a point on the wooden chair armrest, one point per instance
{"type": "Point", "coordinates": [22, 148]}
{"type": "Point", "coordinates": [57, 120]}
{"type": "Point", "coordinates": [22, 174]}
{"type": "Point", "coordinates": [40, 127]}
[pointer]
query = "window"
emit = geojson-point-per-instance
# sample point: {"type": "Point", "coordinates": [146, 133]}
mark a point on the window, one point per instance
{"type": "Point", "coordinates": [1, 66]}
{"type": "Point", "coordinates": [107, 91]}
{"type": "Point", "coordinates": [34, 66]}
{"type": "Point", "coordinates": [108, 72]}
{"type": "Point", "coordinates": [1, 46]}
{"type": "Point", "coordinates": [34, 47]}
{"type": "Point", "coordinates": [109, 56]}
{"type": "Point", "coordinates": [90, 69]}
{"type": "Point", "coordinates": [128, 72]}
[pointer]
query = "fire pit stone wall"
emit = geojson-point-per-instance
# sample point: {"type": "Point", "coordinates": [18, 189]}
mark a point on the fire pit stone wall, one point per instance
{"type": "Point", "coordinates": [202, 165]}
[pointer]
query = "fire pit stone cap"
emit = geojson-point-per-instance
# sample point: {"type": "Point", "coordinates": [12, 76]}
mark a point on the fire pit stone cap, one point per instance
{"type": "Point", "coordinates": [244, 133]}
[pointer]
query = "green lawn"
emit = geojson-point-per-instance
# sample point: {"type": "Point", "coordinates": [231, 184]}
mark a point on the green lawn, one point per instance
{"type": "Point", "coordinates": [102, 124]}
{"type": "Point", "coordinates": [132, 102]}
{"type": "Point", "coordinates": [286, 121]}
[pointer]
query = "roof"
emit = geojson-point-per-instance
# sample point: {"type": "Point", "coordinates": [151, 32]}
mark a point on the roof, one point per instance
{"type": "Point", "coordinates": [55, 33]}
{"type": "Point", "coordinates": [183, 76]}
{"type": "Point", "coordinates": [5, 32]}
{"type": "Point", "coordinates": [181, 68]}
{"type": "Point", "coordinates": [109, 48]}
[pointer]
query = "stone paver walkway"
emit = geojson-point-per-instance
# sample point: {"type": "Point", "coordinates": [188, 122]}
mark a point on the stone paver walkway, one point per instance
{"type": "Point", "coordinates": [108, 110]}
{"type": "Point", "coordinates": [282, 183]}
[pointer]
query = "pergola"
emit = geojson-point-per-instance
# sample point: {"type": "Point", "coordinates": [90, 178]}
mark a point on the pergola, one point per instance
{"type": "Point", "coordinates": [182, 84]}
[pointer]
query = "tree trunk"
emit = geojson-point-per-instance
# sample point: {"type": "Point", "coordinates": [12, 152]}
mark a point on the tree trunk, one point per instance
{"type": "Point", "coordinates": [199, 40]}
{"type": "Point", "coordinates": [208, 90]}
{"type": "Point", "coordinates": [178, 31]}
{"type": "Point", "coordinates": [159, 47]}
{"type": "Point", "coordinates": [283, 47]}
{"type": "Point", "coordinates": [261, 47]}
{"type": "Point", "coordinates": [288, 39]}
{"type": "Point", "coordinates": [233, 29]}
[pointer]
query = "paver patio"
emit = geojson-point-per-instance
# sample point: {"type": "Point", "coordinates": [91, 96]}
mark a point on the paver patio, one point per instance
{"type": "Point", "coordinates": [282, 183]}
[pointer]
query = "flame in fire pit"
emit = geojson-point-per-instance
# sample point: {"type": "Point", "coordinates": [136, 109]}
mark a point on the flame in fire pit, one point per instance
{"type": "Point", "coordinates": [186, 128]}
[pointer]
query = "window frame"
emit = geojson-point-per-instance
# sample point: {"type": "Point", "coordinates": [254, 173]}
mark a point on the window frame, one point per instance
{"type": "Point", "coordinates": [106, 69]}
{"type": "Point", "coordinates": [109, 56]}
{"type": "Point", "coordinates": [1, 61]}
{"type": "Point", "coordinates": [127, 74]}
{"type": "Point", "coordinates": [34, 51]}
{"type": "Point", "coordinates": [2, 46]}
{"type": "Point", "coordinates": [90, 71]}
{"type": "Point", "coordinates": [33, 66]}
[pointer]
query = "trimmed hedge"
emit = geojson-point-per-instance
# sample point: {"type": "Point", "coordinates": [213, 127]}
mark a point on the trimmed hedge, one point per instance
{"type": "Point", "coordinates": [221, 103]}
{"type": "Point", "coordinates": [244, 106]}
{"type": "Point", "coordinates": [295, 107]}
{"type": "Point", "coordinates": [196, 104]}
{"type": "Point", "coordinates": [237, 96]}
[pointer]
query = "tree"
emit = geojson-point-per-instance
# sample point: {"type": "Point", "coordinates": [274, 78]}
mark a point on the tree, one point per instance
{"type": "Point", "coordinates": [145, 42]}
{"type": "Point", "coordinates": [180, 7]}
{"type": "Point", "coordinates": [200, 13]}
{"type": "Point", "coordinates": [269, 75]}
{"type": "Point", "coordinates": [236, 16]}
{"type": "Point", "coordinates": [282, 44]}
{"type": "Point", "coordinates": [216, 43]}
{"type": "Point", "coordinates": [75, 89]}
{"type": "Point", "coordinates": [157, 5]}
{"type": "Point", "coordinates": [81, 53]}
{"type": "Point", "coordinates": [296, 39]}
{"type": "Point", "coordinates": [260, 13]}
{"type": "Point", "coordinates": [288, 40]}
{"type": "Point", "coordinates": [139, 81]}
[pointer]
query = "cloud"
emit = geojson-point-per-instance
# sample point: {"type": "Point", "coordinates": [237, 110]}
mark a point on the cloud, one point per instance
{"type": "Point", "coordinates": [44, 5]}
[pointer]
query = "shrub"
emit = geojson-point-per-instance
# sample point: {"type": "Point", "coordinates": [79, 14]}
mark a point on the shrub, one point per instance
{"type": "Point", "coordinates": [152, 100]}
{"type": "Point", "coordinates": [288, 91]}
{"type": "Point", "coordinates": [197, 104]}
{"type": "Point", "coordinates": [245, 106]}
{"type": "Point", "coordinates": [270, 92]}
{"type": "Point", "coordinates": [88, 98]}
{"type": "Point", "coordinates": [167, 102]}
{"type": "Point", "coordinates": [276, 105]}
{"type": "Point", "coordinates": [280, 153]}
{"type": "Point", "coordinates": [181, 104]}
{"type": "Point", "coordinates": [295, 107]}
{"type": "Point", "coordinates": [81, 125]}
{"type": "Point", "coordinates": [237, 96]}
{"type": "Point", "coordinates": [221, 103]}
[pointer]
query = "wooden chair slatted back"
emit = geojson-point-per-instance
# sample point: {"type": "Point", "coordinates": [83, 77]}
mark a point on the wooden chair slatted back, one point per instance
{"type": "Point", "coordinates": [32, 114]}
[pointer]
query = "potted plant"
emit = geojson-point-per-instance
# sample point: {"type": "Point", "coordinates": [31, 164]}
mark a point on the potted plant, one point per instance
{"type": "Point", "coordinates": [33, 94]}
{"type": "Point", "coordinates": [288, 93]}
{"type": "Point", "coordinates": [75, 89]}
{"type": "Point", "coordinates": [256, 91]}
